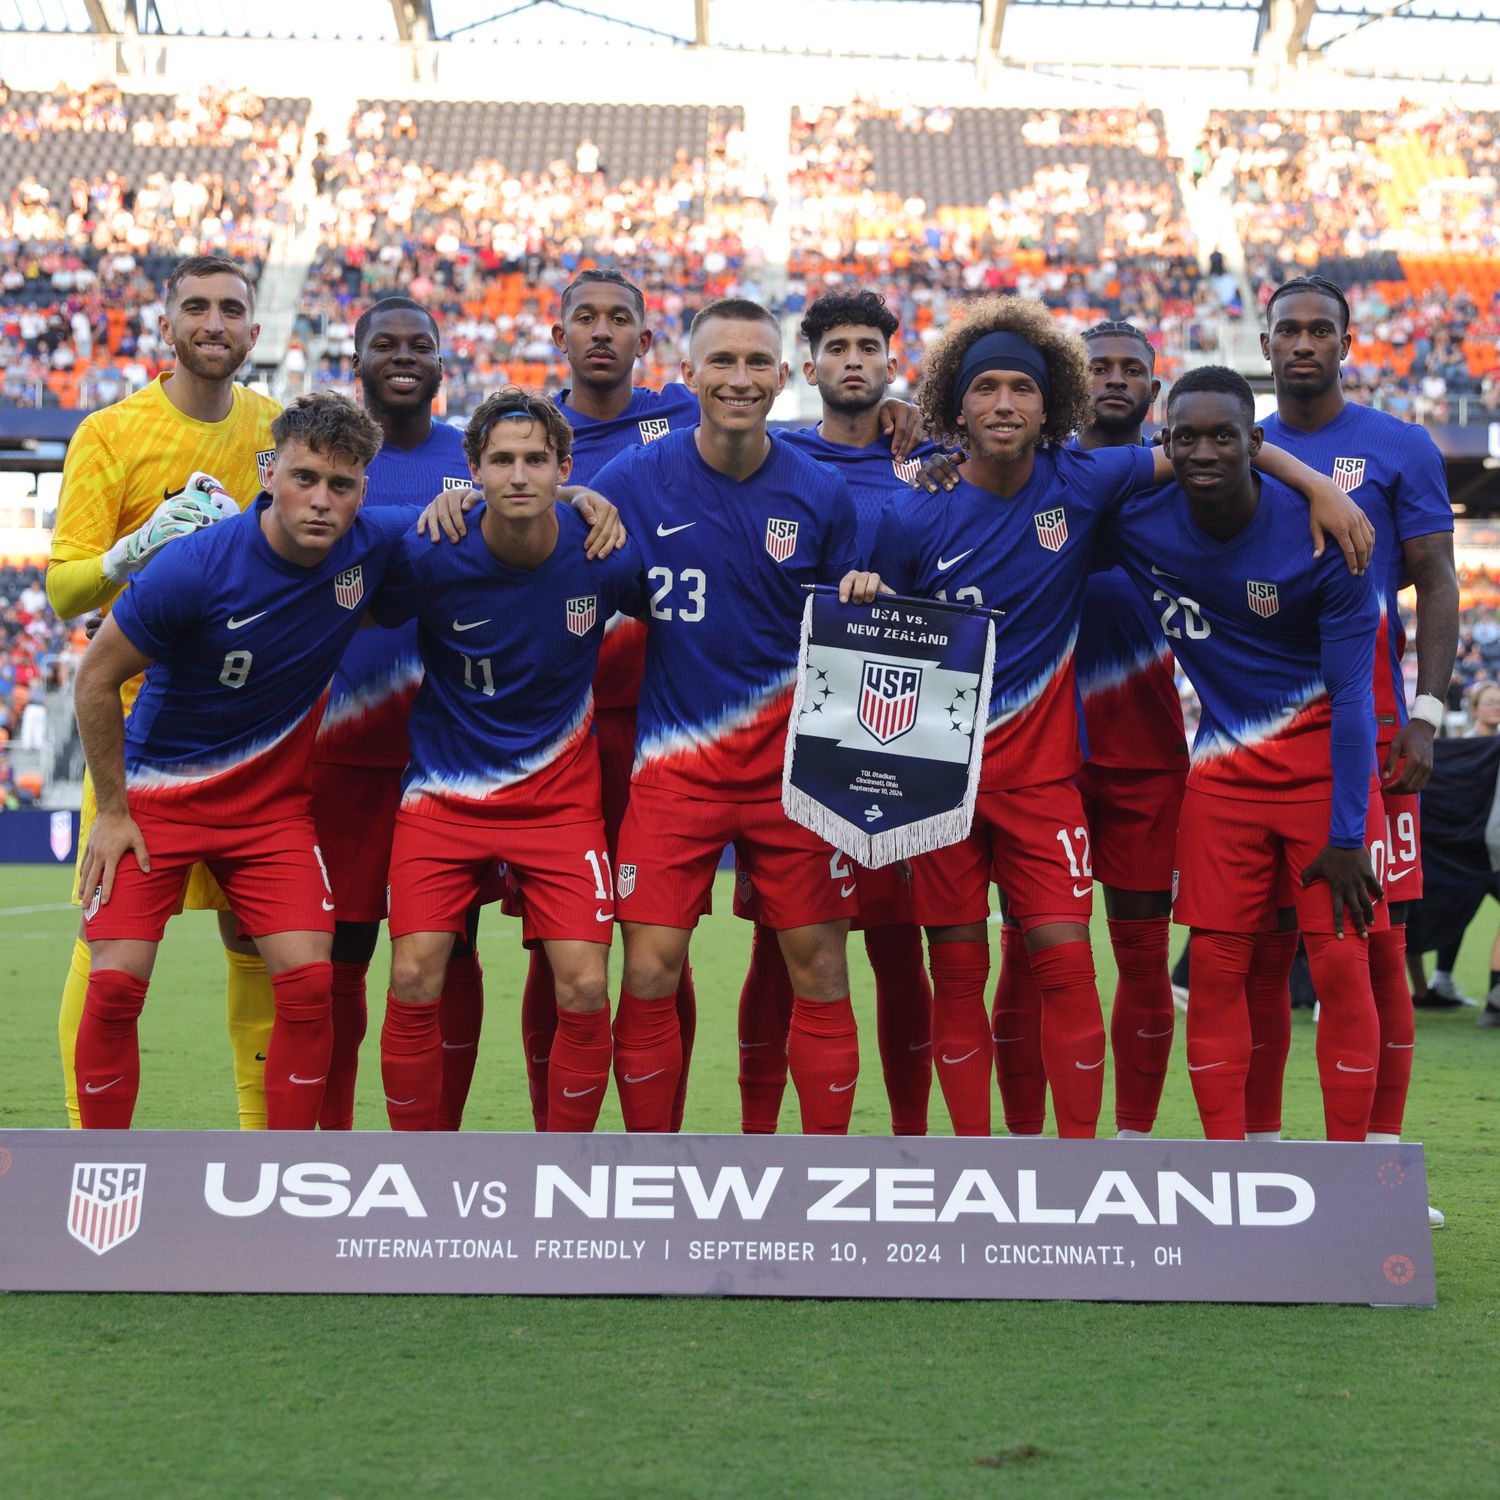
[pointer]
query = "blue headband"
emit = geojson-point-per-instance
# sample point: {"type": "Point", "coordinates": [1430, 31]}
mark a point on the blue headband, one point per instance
{"type": "Point", "coordinates": [1000, 351]}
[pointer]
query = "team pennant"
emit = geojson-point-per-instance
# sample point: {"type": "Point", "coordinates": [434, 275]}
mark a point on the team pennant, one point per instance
{"type": "Point", "coordinates": [887, 728]}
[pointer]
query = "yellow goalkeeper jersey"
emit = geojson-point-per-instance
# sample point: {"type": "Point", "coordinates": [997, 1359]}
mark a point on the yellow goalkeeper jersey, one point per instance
{"type": "Point", "coordinates": [124, 460]}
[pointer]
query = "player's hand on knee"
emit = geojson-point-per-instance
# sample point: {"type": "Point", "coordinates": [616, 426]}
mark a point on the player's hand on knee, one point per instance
{"type": "Point", "coordinates": [861, 588]}
{"type": "Point", "coordinates": [113, 836]}
{"type": "Point", "coordinates": [939, 472]}
{"type": "Point", "coordinates": [1411, 751]}
{"type": "Point", "coordinates": [444, 516]}
{"type": "Point", "coordinates": [1351, 883]}
{"type": "Point", "coordinates": [606, 530]}
{"type": "Point", "coordinates": [1331, 513]}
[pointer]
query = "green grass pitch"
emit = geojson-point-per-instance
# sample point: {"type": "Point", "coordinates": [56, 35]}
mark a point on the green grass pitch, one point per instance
{"type": "Point", "coordinates": [385, 1396]}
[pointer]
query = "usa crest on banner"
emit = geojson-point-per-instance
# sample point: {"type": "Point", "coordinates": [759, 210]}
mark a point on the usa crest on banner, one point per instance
{"type": "Point", "coordinates": [887, 729]}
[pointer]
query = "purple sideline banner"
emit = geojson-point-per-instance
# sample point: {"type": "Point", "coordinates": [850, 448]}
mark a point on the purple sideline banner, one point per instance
{"type": "Point", "coordinates": [722, 1216]}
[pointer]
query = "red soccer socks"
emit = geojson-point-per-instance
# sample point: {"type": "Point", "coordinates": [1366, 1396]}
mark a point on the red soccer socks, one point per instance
{"type": "Point", "coordinates": [823, 1058]}
{"type": "Point", "coordinates": [460, 1016]}
{"type": "Point", "coordinates": [1270, 1007]}
{"type": "Point", "coordinates": [578, 1073]}
{"type": "Point", "coordinates": [1072, 1035]}
{"type": "Point", "coordinates": [1218, 1031]}
{"type": "Point", "coordinates": [764, 1020]}
{"type": "Point", "coordinates": [538, 1023]}
{"type": "Point", "coordinates": [961, 1033]}
{"type": "Point", "coordinates": [1016, 1031]}
{"type": "Point", "coordinates": [687, 1029]}
{"type": "Point", "coordinates": [1348, 1032]}
{"type": "Point", "coordinates": [350, 1021]}
{"type": "Point", "coordinates": [648, 1060]}
{"type": "Point", "coordinates": [301, 1045]}
{"type": "Point", "coordinates": [411, 1063]}
{"type": "Point", "coordinates": [1142, 1020]}
{"type": "Point", "coordinates": [107, 1059]}
{"type": "Point", "coordinates": [1398, 1033]}
{"type": "Point", "coordinates": [903, 1023]}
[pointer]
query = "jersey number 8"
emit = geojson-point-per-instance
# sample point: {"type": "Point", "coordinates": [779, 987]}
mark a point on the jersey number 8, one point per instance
{"type": "Point", "coordinates": [236, 669]}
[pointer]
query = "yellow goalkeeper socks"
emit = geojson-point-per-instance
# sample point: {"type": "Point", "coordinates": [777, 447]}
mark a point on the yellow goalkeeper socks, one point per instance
{"type": "Point", "coordinates": [251, 1008]}
{"type": "Point", "coordinates": [70, 1017]}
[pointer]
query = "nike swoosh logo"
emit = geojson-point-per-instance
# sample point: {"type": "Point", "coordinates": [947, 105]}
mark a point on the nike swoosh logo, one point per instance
{"type": "Point", "coordinates": [1199, 1067]}
{"type": "Point", "coordinates": [1083, 890]}
{"type": "Point", "coordinates": [545, 1057]}
{"type": "Point", "coordinates": [472, 625]}
{"type": "Point", "coordinates": [99, 1088]}
{"type": "Point", "coordinates": [1001, 1040]}
{"type": "Point", "coordinates": [673, 530]}
{"type": "Point", "coordinates": [967, 1055]}
{"type": "Point", "coordinates": [458, 1046]}
{"type": "Point", "coordinates": [751, 1046]}
{"type": "Point", "coordinates": [292, 1078]}
{"type": "Point", "coordinates": [847, 890]}
{"type": "Point", "coordinates": [1342, 1069]}
{"type": "Point", "coordinates": [1168, 1032]}
{"type": "Point", "coordinates": [260, 1057]}
{"type": "Point", "coordinates": [1401, 1046]}
{"type": "Point", "coordinates": [579, 1093]}
{"type": "Point", "coordinates": [944, 563]}
{"type": "Point", "coordinates": [1089, 1067]}
{"type": "Point", "coordinates": [841, 1088]}
{"type": "Point", "coordinates": [1256, 1046]}
{"type": "Point", "coordinates": [248, 620]}
{"type": "Point", "coordinates": [1158, 573]}
{"type": "Point", "coordinates": [644, 1076]}
{"type": "Point", "coordinates": [327, 905]}
{"type": "Point", "coordinates": [1392, 876]}
{"type": "Point", "coordinates": [604, 916]}
{"type": "Point", "coordinates": [918, 1046]}
{"type": "Point", "coordinates": [400, 1103]}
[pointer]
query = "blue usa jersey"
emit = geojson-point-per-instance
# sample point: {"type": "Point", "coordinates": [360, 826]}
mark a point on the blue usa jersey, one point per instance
{"type": "Point", "coordinates": [1027, 557]}
{"type": "Point", "coordinates": [1393, 471]}
{"type": "Point", "coordinates": [500, 728]}
{"type": "Point", "coordinates": [243, 644]}
{"type": "Point", "coordinates": [365, 721]}
{"type": "Point", "coordinates": [650, 415]}
{"type": "Point", "coordinates": [1279, 645]}
{"type": "Point", "coordinates": [873, 476]}
{"type": "Point", "coordinates": [726, 563]}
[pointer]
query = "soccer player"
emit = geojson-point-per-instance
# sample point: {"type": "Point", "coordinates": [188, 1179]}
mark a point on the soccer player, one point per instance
{"type": "Point", "coordinates": [124, 466]}
{"type": "Point", "coordinates": [731, 527]}
{"type": "Point", "coordinates": [1394, 471]}
{"type": "Point", "coordinates": [849, 342]}
{"type": "Point", "coordinates": [503, 762]}
{"type": "Point", "coordinates": [362, 747]}
{"type": "Point", "coordinates": [1280, 648]}
{"type": "Point", "coordinates": [1131, 783]}
{"type": "Point", "coordinates": [1015, 535]}
{"type": "Point", "coordinates": [237, 629]}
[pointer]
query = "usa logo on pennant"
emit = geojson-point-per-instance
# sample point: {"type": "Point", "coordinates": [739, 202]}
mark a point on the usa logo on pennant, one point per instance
{"type": "Point", "coordinates": [1262, 598]}
{"type": "Point", "coordinates": [349, 586]}
{"type": "Point", "coordinates": [888, 699]}
{"type": "Point", "coordinates": [781, 539]}
{"type": "Point", "coordinates": [104, 1208]}
{"type": "Point", "coordinates": [1348, 473]}
{"type": "Point", "coordinates": [265, 461]}
{"type": "Point", "coordinates": [581, 614]}
{"type": "Point", "coordinates": [625, 879]}
{"type": "Point", "coordinates": [653, 428]}
{"type": "Point", "coordinates": [1052, 528]}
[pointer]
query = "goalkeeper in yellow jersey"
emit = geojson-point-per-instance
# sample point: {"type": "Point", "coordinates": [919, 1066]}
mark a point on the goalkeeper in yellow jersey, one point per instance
{"type": "Point", "coordinates": [130, 486]}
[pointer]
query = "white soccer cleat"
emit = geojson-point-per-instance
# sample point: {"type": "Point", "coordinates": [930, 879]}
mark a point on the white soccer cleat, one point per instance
{"type": "Point", "coordinates": [1435, 1217]}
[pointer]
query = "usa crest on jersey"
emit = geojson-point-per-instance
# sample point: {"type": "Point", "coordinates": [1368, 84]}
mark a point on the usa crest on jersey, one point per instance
{"type": "Point", "coordinates": [653, 428]}
{"type": "Point", "coordinates": [1052, 528]}
{"type": "Point", "coordinates": [906, 469]}
{"type": "Point", "coordinates": [625, 879]}
{"type": "Point", "coordinates": [781, 539]}
{"type": "Point", "coordinates": [1262, 597]}
{"type": "Point", "coordinates": [1348, 473]}
{"type": "Point", "coordinates": [265, 461]}
{"type": "Point", "coordinates": [104, 1208]}
{"type": "Point", "coordinates": [581, 614]}
{"type": "Point", "coordinates": [349, 586]}
{"type": "Point", "coordinates": [888, 699]}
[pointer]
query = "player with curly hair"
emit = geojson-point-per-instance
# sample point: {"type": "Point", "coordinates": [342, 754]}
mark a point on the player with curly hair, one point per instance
{"type": "Point", "coordinates": [1014, 536]}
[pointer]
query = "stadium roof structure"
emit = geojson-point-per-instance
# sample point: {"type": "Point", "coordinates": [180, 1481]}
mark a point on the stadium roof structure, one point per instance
{"type": "Point", "coordinates": [1350, 32]}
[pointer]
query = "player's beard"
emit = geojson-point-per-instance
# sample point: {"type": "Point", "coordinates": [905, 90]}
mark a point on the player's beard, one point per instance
{"type": "Point", "coordinates": [849, 405]}
{"type": "Point", "coordinates": [1308, 387]}
{"type": "Point", "coordinates": [206, 368]}
{"type": "Point", "coordinates": [1114, 426]}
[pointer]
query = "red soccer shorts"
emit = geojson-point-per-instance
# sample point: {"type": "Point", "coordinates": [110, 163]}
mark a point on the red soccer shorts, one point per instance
{"type": "Point", "coordinates": [272, 874]}
{"type": "Point", "coordinates": [1402, 876]}
{"type": "Point", "coordinates": [1132, 823]}
{"type": "Point", "coordinates": [1236, 859]}
{"type": "Point", "coordinates": [1032, 841]}
{"type": "Point", "coordinates": [355, 810]}
{"type": "Point", "coordinates": [670, 847]}
{"type": "Point", "coordinates": [615, 729]}
{"type": "Point", "coordinates": [884, 896]}
{"type": "Point", "coordinates": [438, 870]}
